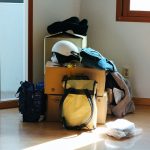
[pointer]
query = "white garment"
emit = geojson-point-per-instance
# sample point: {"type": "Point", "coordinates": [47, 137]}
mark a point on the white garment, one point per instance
{"type": "Point", "coordinates": [121, 128]}
{"type": "Point", "coordinates": [120, 124]}
{"type": "Point", "coordinates": [118, 95]}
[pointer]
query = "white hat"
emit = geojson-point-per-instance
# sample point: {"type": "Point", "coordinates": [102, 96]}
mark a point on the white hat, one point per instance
{"type": "Point", "coordinates": [64, 51]}
{"type": "Point", "coordinates": [65, 48]}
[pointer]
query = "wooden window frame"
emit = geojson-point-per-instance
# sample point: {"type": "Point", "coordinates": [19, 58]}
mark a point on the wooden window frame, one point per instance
{"type": "Point", "coordinates": [123, 13]}
{"type": "Point", "coordinates": [30, 40]}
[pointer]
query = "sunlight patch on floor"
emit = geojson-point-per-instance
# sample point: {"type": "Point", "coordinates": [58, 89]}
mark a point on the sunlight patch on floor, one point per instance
{"type": "Point", "coordinates": [72, 142]}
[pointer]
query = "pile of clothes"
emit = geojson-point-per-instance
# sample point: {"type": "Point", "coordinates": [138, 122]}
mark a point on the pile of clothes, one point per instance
{"type": "Point", "coordinates": [118, 88]}
{"type": "Point", "coordinates": [119, 93]}
{"type": "Point", "coordinates": [73, 23]}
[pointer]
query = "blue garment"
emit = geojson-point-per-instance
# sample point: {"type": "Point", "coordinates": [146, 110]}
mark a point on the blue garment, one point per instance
{"type": "Point", "coordinates": [93, 58]}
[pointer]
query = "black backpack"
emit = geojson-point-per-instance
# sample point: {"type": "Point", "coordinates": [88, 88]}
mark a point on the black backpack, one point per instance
{"type": "Point", "coordinates": [32, 101]}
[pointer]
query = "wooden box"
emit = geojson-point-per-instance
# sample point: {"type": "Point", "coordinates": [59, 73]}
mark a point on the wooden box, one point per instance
{"type": "Point", "coordinates": [54, 75]}
{"type": "Point", "coordinates": [79, 40]}
{"type": "Point", "coordinates": [102, 108]}
{"type": "Point", "coordinates": [52, 110]}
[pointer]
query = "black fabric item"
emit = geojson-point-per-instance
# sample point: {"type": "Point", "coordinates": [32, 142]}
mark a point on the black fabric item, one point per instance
{"type": "Point", "coordinates": [32, 101]}
{"type": "Point", "coordinates": [72, 23]}
{"type": "Point", "coordinates": [55, 28]}
{"type": "Point", "coordinates": [74, 20]}
{"type": "Point", "coordinates": [62, 26]}
{"type": "Point", "coordinates": [66, 59]}
{"type": "Point", "coordinates": [75, 77]}
{"type": "Point", "coordinates": [110, 82]}
{"type": "Point", "coordinates": [82, 28]}
{"type": "Point", "coordinates": [30, 117]}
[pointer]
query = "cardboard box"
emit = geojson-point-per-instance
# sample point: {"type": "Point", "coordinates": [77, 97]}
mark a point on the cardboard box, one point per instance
{"type": "Point", "coordinates": [54, 75]}
{"type": "Point", "coordinates": [50, 40]}
{"type": "Point", "coordinates": [52, 111]}
{"type": "Point", "coordinates": [102, 108]}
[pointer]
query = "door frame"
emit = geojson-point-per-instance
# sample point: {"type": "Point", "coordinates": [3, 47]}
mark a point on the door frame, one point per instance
{"type": "Point", "coordinates": [14, 103]}
{"type": "Point", "coordinates": [30, 40]}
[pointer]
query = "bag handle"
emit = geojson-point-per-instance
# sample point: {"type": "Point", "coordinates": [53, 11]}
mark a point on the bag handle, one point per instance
{"type": "Point", "coordinates": [74, 91]}
{"type": "Point", "coordinates": [92, 92]}
{"type": "Point", "coordinates": [74, 77]}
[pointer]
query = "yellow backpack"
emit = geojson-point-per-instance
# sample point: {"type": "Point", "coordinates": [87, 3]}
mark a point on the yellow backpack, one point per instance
{"type": "Point", "coordinates": [78, 104]}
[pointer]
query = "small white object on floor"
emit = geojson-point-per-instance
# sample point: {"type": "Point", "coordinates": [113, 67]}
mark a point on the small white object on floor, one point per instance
{"type": "Point", "coordinates": [120, 124]}
{"type": "Point", "coordinates": [121, 128]}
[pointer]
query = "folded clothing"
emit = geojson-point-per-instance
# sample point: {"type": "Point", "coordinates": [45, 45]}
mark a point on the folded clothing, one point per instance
{"type": "Point", "coordinates": [120, 124]}
{"type": "Point", "coordinates": [122, 128]}
{"type": "Point", "coordinates": [72, 23]}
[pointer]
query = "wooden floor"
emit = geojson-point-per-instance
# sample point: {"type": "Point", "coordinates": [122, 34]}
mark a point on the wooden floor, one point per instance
{"type": "Point", "coordinates": [16, 135]}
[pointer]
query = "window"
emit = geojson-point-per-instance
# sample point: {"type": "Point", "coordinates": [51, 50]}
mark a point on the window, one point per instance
{"type": "Point", "coordinates": [133, 10]}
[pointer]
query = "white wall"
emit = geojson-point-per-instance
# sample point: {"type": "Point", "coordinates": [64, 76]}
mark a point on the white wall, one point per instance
{"type": "Point", "coordinates": [126, 43]}
{"type": "Point", "coordinates": [46, 12]}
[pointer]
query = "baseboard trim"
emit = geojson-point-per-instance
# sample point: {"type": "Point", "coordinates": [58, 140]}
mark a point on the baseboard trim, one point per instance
{"type": "Point", "coordinates": [141, 101]}
{"type": "Point", "coordinates": [9, 104]}
{"type": "Point", "coordinates": [14, 103]}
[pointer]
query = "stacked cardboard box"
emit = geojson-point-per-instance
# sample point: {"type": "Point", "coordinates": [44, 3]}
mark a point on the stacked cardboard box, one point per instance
{"type": "Point", "coordinates": [49, 40]}
{"type": "Point", "coordinates": [54, 74]}
{"type": "Point", "coordinates": [53, 87]}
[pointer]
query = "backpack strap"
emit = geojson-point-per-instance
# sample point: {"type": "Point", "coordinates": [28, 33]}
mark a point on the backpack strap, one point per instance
{"type": "Point", "coordinates": [89, 98]}
{"type": "Point", "coordinates": [19, 89]}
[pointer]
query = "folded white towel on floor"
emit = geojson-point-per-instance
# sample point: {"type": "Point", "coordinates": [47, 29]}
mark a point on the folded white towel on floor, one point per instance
{"type": "Point", "coordinates": [121, 128]}
{"type": "Point", "coordinates": [120, 124]}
